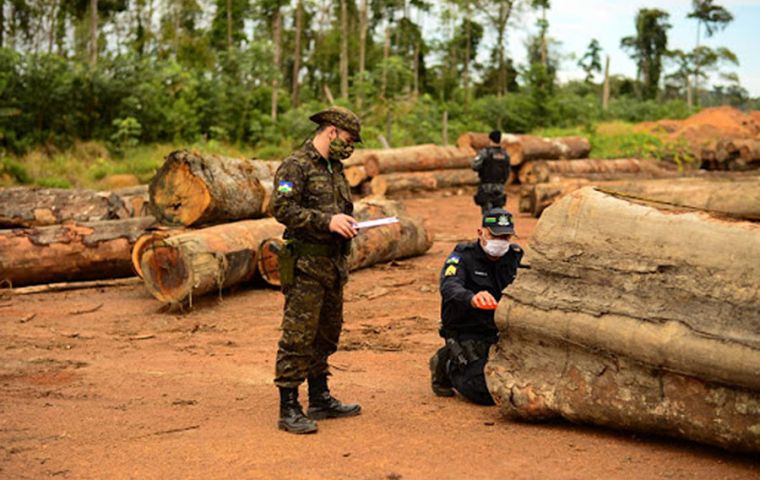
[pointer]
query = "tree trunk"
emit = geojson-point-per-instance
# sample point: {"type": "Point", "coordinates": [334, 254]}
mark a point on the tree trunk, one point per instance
{"type": "Point", "coordinates": [229, 25]}
{"type": "Point", "coordinates": [408, 238]}
{"type": "Point", "coordinates": [2, 23]}
{"type": "Point", "coordinates": [277, 39]}
{"type": "Point", "coordinates": [415, 159]}
{"type": "Point", "coordinates": [29, 207]}
{"type": "Point", "coordinates": [635, 317]}
{"type": "Point", "coordinates": [344, 49]}
{"type": "Point", "coordinates": [297, 52]}
{"type": "Point", "coordinates": [542, 170]}
{"type": "Point", "coordinates": [362, 48]}
{"type": "Point", "coordinates": [191, 189]}
{"type": "Point", "coordinates": [69, 252]}
{"type": "Point", "coordinates": [386, 56]}
{"type": "Point", "coordinates": [93, 32]}
{"type": "Point", "coordinates": [522, 148]}
{"type": "Point", "coordinates": [414, 181]}
{"type": "Point", "coordinates": [736, 197]}
{"type": "Point", "coordinates": [192, 264]}
{"type": "Point", "coordinates": [606, 87]}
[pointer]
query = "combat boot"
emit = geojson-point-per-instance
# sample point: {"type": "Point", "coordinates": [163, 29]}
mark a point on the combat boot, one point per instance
{"type": "Point", "coordinates": [439, 378]}
{"type": "Point", "coordinates": [292, 418]}
{"type": "Point", "coordinates": [323, 405]}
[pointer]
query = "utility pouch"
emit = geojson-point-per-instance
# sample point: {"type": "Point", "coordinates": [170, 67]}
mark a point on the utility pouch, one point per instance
{"type": "Point", "coordinates": [286, 264]}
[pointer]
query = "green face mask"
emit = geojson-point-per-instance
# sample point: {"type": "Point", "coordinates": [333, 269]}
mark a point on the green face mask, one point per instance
{"type": "Point", "coordinates": [340, 150]}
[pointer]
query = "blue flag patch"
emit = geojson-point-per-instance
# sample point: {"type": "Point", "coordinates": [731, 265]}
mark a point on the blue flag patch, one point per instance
{"type": "Point", "coordinates": [285, 187]}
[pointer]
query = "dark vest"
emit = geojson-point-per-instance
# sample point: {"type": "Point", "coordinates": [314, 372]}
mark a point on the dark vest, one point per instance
{"type": "Point", "coordinates": [495, 167]}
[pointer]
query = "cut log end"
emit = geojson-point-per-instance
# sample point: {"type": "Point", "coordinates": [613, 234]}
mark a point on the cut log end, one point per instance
{"type": "Point", "coordinates": [182, 198]}
{"type": "Point", "coordinates": [167, 276]}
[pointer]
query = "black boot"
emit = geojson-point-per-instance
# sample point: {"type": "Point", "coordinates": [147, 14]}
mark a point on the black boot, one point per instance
{"type": "Point", "coordinates": [439, 378]}
{"type": "Point", "coordinates": [323, 405]}
{"type": "Point", "coordinates": [292, 418]}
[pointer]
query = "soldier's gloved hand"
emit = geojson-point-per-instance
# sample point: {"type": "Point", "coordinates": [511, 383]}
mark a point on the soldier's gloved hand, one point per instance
{"type": "Point", "coordinates": [343, 225]}
{"type": "Point", "coordinates": [484, 301]}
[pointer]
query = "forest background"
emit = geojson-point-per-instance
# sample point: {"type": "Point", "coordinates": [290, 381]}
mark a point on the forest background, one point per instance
{"type": "Point", "coordinates": [93, 88]}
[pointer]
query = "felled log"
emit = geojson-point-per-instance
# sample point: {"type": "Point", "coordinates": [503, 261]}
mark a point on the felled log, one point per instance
{"type": "Point", "coordinates": [194, 189]}
{"type": "Point", "coordinates": [69, 252]}
{"type": "Point", "coordinates": [733, 196]}
{"type": "Point", "coordinates": [32, 207]}
{"type": "Point", "coordinates": [355, 175]}
{"type": "Point", "coordinates": [541, 171]}
{"type": "Point", "coordinates": [522, 148]}
{"type": "Point", "coordinates": [136, 200]}
{"type": "Point", "coordinates": [146, 241]}
{"type": "Point", "coordinates": [181, 267]}
{"type": "Point", "coordinates": [416, 159]}
{"type": "Point", "coordinates": [382, 244]}
{"type": "Point", "coordinates": [635, 316]}
{"type": "Point", "coordinates": [414, 181]}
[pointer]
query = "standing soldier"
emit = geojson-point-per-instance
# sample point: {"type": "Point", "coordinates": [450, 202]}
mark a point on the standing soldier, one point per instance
{"type": "Point", "coordinates": [492, 165]}
{"type": "Point", "coordinates": [312, 199]}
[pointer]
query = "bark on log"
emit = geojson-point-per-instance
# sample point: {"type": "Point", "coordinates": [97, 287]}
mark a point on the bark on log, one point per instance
{"type": "Point", "coordinates": [197, 262]}
{"type": "Point", "coordinates": [416, 159]}
{"type": "Point", "coordinates": [737, 197]}
{"type": "Point", "coordinates": [636, 317]}
{"type": "Point", "coordinates": [69, 252]}
{"type": "Point", "coordinates": [522, 148]}
{"type": "Point", "coordinates": [408, 238]}
{"type": "Point", "coordinates": [136, 200]}
{"type": "Point", "coordinates": [33, 207]}
{"type": "Point", "coordinates": [541, 171]}
{"type": "Point", "coordinates": [191, 189]}
{"type": "Point", "coordinates": [397, 182]}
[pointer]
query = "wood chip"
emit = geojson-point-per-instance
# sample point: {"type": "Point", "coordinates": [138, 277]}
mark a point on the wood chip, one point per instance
{"type": "Point", "coordinates": [87, 310]}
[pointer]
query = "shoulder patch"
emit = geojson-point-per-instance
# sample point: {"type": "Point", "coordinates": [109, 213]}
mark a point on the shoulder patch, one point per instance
{"type": "Point", "coordinates": [453, 260]}
{"type": "Point", "coordinates": [285, 187]}
{"type": "Point", "coordinates": [450, 271]}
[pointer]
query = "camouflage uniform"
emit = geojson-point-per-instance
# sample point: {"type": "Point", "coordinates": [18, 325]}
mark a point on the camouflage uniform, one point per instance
{"type": "Point", "coordinates": [308, 191]}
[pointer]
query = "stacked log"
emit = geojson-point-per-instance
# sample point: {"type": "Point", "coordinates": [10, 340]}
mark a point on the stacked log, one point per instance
{"type": "Point", "coordinates": [181, 267]}
{"type": "Point", "coordinates": [524, 148]}
{"type": "Point", "coordinates": [144, 242]}
{"type": "Point", "coordinates": [34, 207]}
{"type": "Point", "coordinates": [667, 344]}
{"type": "Point", "coordinates": [408, 238]}
{"type": "Point", "coordinates": [732, 196]}
{"type": "Point", "coordinates": [69, 252]}
{"type": "Point", "coordinates": [541, 171]}
{"type": "Point", "coordinates": [419, 181]}
{"type": "Point", "coordinates": [418, 158]}
{"type": "Point", "coordinates": [192, 189]}
{"type": "Point", "coordinates": [136, 200]}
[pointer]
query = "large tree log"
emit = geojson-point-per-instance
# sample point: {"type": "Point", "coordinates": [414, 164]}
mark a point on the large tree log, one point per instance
{"type": "Point", "coordinates": [397, 182]}
{"type": "Point", "coordinates": [146, 241]}
{"type": "Point", "coordinates": [193, 189]}
{"type": "Point", "coordinates": [637, 317]}
{"type": "Point", "coordinates": [408, 238]}
{"type": "Point", "coordinates": [542, 171]}
{"type": "Point", "coordinates": [136, 200]}
{"type": "Point", "coordinates": [181, 267]}
{"type": "Point", "coordinates": [522, 148]}
{"type": "Point", "coordinates": [30, 207]}
{"type": "Point", "coordinates": [69, 252]}
{"type": "Point", "coordinates": [416, 159]}
{"type": "Point", "coordinates": [734, 196]}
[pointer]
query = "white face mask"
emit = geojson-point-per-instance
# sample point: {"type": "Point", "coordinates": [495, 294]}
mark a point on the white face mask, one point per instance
{"type": "Point", "coordinates": [496, 248]}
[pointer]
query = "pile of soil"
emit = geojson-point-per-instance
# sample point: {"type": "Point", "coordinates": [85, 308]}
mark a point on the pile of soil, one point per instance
{"type": "Point", "coordinates": [701, 132]}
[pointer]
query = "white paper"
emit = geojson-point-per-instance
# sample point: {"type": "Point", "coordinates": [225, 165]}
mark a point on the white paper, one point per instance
{"type": "Point", "coordinates": [376, 223]}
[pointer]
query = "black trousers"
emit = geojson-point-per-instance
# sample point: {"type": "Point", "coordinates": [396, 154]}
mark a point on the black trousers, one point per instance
{"type": "Point", "coordinates": [470, 381]}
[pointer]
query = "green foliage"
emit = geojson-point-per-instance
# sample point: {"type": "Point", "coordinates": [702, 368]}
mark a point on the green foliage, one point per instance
{"type": "Point", "coordinates": [127, 134]}
{"type": "Point", "coordinates": [15, 170]}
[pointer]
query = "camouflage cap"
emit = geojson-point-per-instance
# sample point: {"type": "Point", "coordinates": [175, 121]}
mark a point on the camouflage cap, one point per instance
{"type": "Point", "coordinates": [342, 118]}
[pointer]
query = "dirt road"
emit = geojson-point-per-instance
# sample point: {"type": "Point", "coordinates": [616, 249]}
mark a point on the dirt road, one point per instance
{"type": "Point", "coordinates": [108, 384]}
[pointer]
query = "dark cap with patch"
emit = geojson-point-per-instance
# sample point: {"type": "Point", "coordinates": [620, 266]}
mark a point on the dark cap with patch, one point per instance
{"type": "Point", "coordinates": [499, 222]}
{"type": "Point", "coordinates": [342, 118]}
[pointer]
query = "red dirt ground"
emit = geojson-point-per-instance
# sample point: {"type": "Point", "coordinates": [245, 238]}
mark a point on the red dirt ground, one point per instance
{"type": "Point", "coordinates": [131, 390]}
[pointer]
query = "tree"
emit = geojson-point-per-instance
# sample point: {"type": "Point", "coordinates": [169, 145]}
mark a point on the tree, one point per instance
{"type": "Point", "coordinates": [591, 61]}
{"type": "Point", "coordinates": [648, 47]}
{"type": "Point", "coordinates": [227, 26]}
{"type": "Point", "coordinates": [714, 18]}
{"type": "Point", "coordinates": [498, 13]}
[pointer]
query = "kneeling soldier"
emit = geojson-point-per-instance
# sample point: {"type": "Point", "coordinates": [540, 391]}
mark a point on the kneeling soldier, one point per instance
{"type": "Point", "coordinates": [472, 279]}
